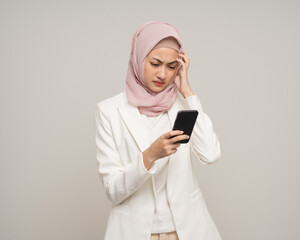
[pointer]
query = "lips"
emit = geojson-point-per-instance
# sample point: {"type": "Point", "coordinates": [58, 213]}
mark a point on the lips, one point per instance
{"type": "Point", "coordinates": [158, 83]}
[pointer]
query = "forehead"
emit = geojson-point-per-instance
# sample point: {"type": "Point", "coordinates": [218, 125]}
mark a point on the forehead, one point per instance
{"type": "Point", "coordinates": [163, 53]}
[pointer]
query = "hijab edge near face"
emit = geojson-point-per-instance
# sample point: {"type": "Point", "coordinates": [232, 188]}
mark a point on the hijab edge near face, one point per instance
{"type": "Point", "coordinates": [146, 37]}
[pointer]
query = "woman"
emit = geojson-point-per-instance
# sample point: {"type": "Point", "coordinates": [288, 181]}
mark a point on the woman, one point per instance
{"type": "Point", "coordinates": [148, 177]}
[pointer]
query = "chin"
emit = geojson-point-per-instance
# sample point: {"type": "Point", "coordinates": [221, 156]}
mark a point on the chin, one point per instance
{"type": "Point", "coordinates": [157, 89]}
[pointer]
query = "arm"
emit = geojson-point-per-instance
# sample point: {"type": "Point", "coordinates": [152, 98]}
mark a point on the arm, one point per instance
{"type": "Point", "coordinates": [119, 181]}
{"type": "Point", "coordinates": [204, 141]}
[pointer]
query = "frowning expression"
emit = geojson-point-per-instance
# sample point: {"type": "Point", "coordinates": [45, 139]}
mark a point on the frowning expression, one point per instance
{"type": "Point", "coordinates": [160, 67]}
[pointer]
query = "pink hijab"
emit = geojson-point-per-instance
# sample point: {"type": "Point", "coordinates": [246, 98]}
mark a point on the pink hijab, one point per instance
{"type": "Point", "coordinates": [144, 40]}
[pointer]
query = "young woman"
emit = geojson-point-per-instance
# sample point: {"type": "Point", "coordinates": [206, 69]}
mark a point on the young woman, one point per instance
{"type": "Point", "coordinates": [148, 177]}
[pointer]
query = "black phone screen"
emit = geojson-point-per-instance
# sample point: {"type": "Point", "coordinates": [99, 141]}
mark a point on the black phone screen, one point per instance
{"type": "Point", "coordinates": [185, 122]}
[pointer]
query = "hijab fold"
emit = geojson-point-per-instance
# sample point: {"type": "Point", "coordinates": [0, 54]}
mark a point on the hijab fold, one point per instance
{"type": "Point", "coordinates": [145, 38]}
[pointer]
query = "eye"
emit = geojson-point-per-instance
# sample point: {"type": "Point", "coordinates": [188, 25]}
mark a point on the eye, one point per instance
{"type": "Point", "coordinates": [153, 64]}
{"type": "Point", "coordinates": [172, 67]}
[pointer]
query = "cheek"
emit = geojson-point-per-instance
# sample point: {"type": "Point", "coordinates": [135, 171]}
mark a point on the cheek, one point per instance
{"type": "Point", "coordinates": [148, 73]}
{"type": "Point", "coordinates": [171, 75]}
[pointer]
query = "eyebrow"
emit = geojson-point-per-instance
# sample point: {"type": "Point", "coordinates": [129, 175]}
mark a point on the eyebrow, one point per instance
{"type": "Point", "coordinates": [162, 62]}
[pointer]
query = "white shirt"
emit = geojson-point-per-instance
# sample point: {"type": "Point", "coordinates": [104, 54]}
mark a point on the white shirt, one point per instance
{"type": "Point", "coordinates": [162, 221]}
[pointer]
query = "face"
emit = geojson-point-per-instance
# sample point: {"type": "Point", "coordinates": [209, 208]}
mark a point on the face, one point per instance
{"type": "Point", "coordinates": [160, 67]}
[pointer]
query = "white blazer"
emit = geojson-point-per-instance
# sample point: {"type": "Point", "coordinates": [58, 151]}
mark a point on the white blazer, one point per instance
{"type": "Point", "coordinates": [121, 137]}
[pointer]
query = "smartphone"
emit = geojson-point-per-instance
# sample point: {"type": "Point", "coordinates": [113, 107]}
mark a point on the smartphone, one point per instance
{"type": "Point", "coordinates": [185, 121]}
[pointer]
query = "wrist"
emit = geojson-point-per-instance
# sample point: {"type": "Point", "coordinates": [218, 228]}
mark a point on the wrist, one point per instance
{"type": "Point", "coordinates": [148, 159]}
{"type": "Point", "coordinates": [188, 93]}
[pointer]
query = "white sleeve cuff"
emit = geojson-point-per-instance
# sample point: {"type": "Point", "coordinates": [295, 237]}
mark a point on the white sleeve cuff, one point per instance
{"type": "Point", "coordinates": [143, 169]}
{"type": "Point", "coordinates": [193, 103]}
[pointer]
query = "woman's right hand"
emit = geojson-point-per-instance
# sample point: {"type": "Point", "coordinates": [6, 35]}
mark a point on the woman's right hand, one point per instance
{"type": "Point", "coordinates": [163, 146]}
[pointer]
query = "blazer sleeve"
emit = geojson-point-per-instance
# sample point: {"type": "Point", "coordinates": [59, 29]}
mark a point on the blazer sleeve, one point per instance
{"type": "Point", "coordinates": [119, 181]}
{"type": "Point", "coordinates": [204, 141]}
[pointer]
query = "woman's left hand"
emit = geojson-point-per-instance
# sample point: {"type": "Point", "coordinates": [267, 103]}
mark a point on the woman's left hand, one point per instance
{"type": "Point", "coordinates": [181, 80]}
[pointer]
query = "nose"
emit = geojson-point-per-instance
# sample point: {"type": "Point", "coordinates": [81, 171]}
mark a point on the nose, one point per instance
{"type": "Point", "coordinates": [161, 74]}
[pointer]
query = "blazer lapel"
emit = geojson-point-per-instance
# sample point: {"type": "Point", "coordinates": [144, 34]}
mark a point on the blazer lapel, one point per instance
{"type": "Point", "coordinates": [135, 124]}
